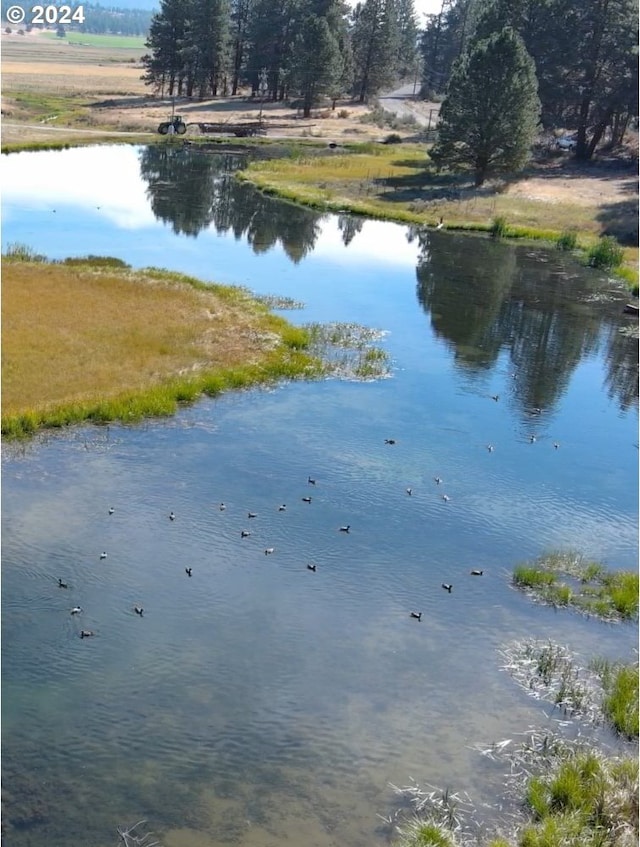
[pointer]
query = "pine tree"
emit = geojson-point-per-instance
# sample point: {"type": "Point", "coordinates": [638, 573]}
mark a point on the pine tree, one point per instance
{"type": "Point", "coordinates": [315, 61]}
{"type": "Point", "coordinates": [375, 46]}
{"type": "Point", "coordinates": [240, 18]}
{"type": "Point", "coordinates": [489, 118]}
{"type": "Point", "coordinates": [166, 40]}
{"type": "Point", "coordinates": [209, 45]}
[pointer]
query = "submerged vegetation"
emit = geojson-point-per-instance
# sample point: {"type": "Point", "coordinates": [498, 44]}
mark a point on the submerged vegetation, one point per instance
{"type": "Point", "coordinates": [90, 339]}
{"type": "Point", "coordinates": [567, 579]}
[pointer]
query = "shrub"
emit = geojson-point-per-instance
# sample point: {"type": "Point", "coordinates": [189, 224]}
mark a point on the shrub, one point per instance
{"type": "Point", "coordinates": [23, 253]}
{"type": "Point", "coordinates": [567, 240]}
{"type": "Point", "coordinates": [606, 254]}
{"type": "Point", "coordinates": [498, 227]}
{"type": "Point", "coordinates": [392, 138]}
{"type": "Point", "coordinates": [343, 113]}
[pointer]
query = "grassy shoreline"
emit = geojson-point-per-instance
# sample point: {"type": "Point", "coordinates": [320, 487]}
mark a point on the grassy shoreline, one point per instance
{"type": "Point", "coordinates": [92, 340]}
{"type": "Point", "coordinates": [393, 182]}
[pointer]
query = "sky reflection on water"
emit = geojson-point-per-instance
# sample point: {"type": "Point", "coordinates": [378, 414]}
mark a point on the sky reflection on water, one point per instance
{"type": "Point", "coordinates": [258, 701]}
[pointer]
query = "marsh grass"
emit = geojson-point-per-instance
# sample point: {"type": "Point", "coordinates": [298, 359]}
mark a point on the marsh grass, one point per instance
{"type": "Point", "coordinates": [348, 350]}
{"type": "Point", "coordinates": [585, 585]}
{"type": "Point", "coordinates": [620, 703]}
{"type": "Point", "coordinates": [96, 341]}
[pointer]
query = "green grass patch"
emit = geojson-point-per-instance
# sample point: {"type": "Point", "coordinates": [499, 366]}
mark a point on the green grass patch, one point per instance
{"type": "Point", "coordinates": [87, 39]}
{"type": "Point", "coordinates": [585, 585]}
{"type": "Point", "coordinates": [620, 703]}
{"type": "Point", "coordinates": [585, 801]}
{"type": "Point", "coordinates": [606, 254]}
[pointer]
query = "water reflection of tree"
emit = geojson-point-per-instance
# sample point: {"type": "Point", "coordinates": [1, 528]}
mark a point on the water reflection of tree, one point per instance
{"type": "Point", "coordinates": [192, 190]}
{"type": "Point", "coordinates": [349, 226]}
{"type": "Point", "coordinates": [486, 297]}
{"type": "Point", "coordinates": [464, 293]}
{"type": "Point", "coordinates": [621, 380]}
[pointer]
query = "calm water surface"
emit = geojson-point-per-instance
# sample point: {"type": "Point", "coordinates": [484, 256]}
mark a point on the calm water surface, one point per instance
{"type": "Point", "coordinates": [257, 703]}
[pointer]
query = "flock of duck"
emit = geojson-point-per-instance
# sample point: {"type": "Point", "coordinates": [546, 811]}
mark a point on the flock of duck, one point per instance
{"type": "Point", "coordinates": [416, 615]}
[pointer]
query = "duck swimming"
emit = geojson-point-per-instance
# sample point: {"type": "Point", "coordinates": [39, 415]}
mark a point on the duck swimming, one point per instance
{"type": "Point", "coordinates": [282, 508]}
{"type": "Point", "coordinates": [138, 610]}
{"type": "Point", "coordinates": [409, 491]}
{"type": "Point", "coordinates": [389, 441]}
{"type": "Point", "coordinates": [416, 615]}
{"type": "Point", "coordinates": [188, 571]}
{"type": "Point", "coordinates": [245, 533]}
{"type": "Point", "coordinates": [62, 584]}
{"type": "Point", "coordinates": [111, 510]}
{"type": "Point", "coordinates": [103, 555]}
{"type": "Point", "coordinates": [447, 587]}
{"type": "Point", "coordinates": [311, 481]}
{"type": "Point", "coordinates": [269, 550]}
{"type": "Point", "coordinates": [437, 480]}
{"type": "Point", "coordinates": [311, 567]}
{"type": "Point", "coordinates": [76, 610]}
{"type": "Point", "coordinates": [222, 507]}
{"type": "Point", "coordinates": [86, 633]}
{"type": "Point", "coordinates": [345, 528]}
{"type": "Point", "coordinates": [172, 517]}
{"type": "Point", "coordinates": [474, 572]}
{"type": "Point", "coordinates": [252, 515]}
{"type": "Point", "coordinates": [306, 499]}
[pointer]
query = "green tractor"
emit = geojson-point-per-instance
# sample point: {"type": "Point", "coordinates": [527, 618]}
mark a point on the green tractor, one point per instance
{"type": "Point", "coordinates": [174, 126]}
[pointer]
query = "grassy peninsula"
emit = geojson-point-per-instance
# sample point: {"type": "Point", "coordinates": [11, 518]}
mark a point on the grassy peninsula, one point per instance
{"type": "Point", "coordinates": [92, 340]}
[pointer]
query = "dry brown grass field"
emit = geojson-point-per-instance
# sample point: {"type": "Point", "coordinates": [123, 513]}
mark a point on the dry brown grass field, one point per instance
{"type": "Point", "coordinates": [73, 334]}
{"type": "Point", "coordinates": [49, 85]}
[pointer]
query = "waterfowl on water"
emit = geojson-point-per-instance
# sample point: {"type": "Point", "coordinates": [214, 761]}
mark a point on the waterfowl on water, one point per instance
{"type": "Point", "coordinates": [62, 584]}
{"type": "Point", "coordinates": [282, 508]}
{"type": "Point", "coordinates": [222, 507]}
{"type": "Point", "coordinates": [306, 499]}
{"type": "Point", "coordinates": [138, 610]}
{"type": "Point", "coordinates": [437, 480]}
{"type": "Point", "coordinates": [490, 448]}
{"type": "Point", "coordinates": [103, 555]}
{"type": "Point", "coordinates": [269, 551]}
{"type": "Point", "coordinates": [556, 445]}
{"type": "Point", "coordinates": [475, 572]}
{"type": "Point", "coordinates": [245, 533]}
{"type": "Point", "coordinates": [111, 510]}
{"type": "Point", "coordinates": [76, 610]}
{"type": "Point", "coordinates": [532, 439]}
{"type": "Point", "coordinates": [172, 517]}
{"type": "Point", "coordinates": [495, 397]}
{"type": "Point", "coordinates": [440, 224]}
{"type": "Point", "coordinates": [446, 498]}
{"type": "Point", "coordinates": [389, 441]}
{"type": "Point", "coordinates": [447, 587]}
{"type": "Point", "coordinates": [409, 491]}
{"type": "Point", "coordinates": [86, 633]}
{"type": "Point", "coordinates": [311, 567]}
{"type": "Point", "coordinates": [252, 515]}
{"type": "Point", "coordinates": [416, 615]}
{"type": "Point", "coordinates": [345, 528]}
{"type": "Point", "coordinates": [188, 571]}
{"type": "Point", "coordinates": [311, 481]}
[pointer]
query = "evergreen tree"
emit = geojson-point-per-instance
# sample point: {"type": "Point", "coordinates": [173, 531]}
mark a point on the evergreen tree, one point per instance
{"type": "Point", "coordinates": [240, 18]}
{"type": "Point", "coordinates": [489, 117]}
{"type": "Point", "coordinates": [374, 40]}
{"type": "Point", "coordinates": [163, 66]}
{"type": "Point", "coordinates": [407, 56]}
{"type": "Point", "coordinates": [209, 45]}
{"type": "Point", "coordinates": [315, 61]}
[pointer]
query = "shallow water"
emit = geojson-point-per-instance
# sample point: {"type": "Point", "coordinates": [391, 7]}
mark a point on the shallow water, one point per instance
{"type": "Point", "coordinates": [258, 702]}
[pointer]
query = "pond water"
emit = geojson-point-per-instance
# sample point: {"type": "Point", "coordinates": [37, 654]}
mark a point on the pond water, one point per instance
{"type": "Point", "coordinates": [256, 702]}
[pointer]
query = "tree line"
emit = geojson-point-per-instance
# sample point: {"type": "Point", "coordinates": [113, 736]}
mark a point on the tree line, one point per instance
{"type": "Point", "coordinates": [584, 56]}
{"type": "Point", "coordinates": [280, 49]}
